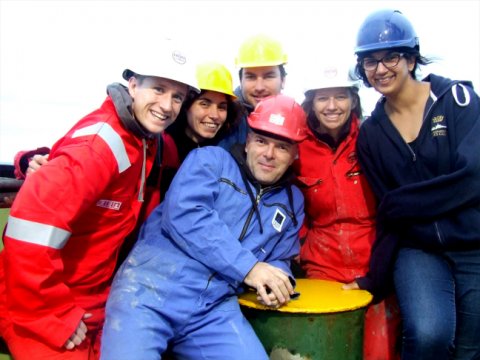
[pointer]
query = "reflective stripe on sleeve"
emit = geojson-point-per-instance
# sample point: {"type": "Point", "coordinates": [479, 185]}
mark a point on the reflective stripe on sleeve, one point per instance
{"type": "Point", "coordinates": [36, 233]}
{"type": "Point", "coordinates": [113, 140]}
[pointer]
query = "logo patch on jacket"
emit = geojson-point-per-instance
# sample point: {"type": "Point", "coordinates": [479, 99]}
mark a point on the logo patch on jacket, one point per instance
{"type": "Point", "coordinates": [109, 204]}
{"type": "Point", "coordinates": [438, 126]}
{"type": "Point", "coordinates": [278, 220]}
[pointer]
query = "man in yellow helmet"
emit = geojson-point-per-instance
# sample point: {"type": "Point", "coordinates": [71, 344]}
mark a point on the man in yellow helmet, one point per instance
{"type": "Point", "coordinates": [261, 60]}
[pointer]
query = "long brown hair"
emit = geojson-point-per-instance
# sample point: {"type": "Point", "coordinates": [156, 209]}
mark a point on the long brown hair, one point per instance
{"type": "Point", "coordinates": [235, 110]}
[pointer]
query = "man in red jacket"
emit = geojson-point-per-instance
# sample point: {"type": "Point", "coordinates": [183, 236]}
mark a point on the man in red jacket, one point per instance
{"type": "Point", "coordinates": [71, 216]}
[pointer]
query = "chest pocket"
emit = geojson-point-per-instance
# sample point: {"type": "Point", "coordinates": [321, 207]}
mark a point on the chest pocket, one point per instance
{"type": "Point", "coordinates": [318, 199]}
{"type": "Point", "coordinates": [308, 182]}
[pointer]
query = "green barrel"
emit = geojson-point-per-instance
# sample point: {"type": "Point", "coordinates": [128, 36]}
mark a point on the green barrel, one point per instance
{"type": "Point", "coordinates": [3, 217]}
{"type": "Point", "coordinates": [325, 323]}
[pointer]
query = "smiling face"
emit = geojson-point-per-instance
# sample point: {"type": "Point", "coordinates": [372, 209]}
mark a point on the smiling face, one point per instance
{"type": "Point", "coordinates": [206, 116]}
{"type": "Point", "coordinates": [268, 158]}
{"type": "Point", "coordinates": [260, 82]}
{"type": "Point", "coordinates": [156, 101]}
{"type": "Point", "coordinates": [332, 108]}
{"type": "Point", "coordinates": [389, 80]}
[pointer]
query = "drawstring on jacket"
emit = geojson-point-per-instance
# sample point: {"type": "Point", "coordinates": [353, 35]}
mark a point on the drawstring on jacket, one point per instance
{"type": "Point", "coordinates": [142, 183]}
{"type": "Point", "coordinates": [290, 201]}
{"type": "Point", "coordinates": [123, 106]}
{"type": "Point", "coordinates": [252, 198]}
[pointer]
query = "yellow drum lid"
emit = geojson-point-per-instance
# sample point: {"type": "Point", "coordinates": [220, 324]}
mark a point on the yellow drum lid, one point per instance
{"type": "Point", "coordinates": [316, 296]}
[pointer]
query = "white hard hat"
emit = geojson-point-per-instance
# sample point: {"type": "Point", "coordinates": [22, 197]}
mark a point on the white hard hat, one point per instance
{"type": "Point", "coordinates": [168, 60]}
{"type": "Point", "coordinates": [331, 75]}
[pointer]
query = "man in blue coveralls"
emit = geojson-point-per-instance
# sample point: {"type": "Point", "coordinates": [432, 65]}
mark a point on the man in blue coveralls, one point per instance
{"type": "Point", "coordinates": [229, 220]}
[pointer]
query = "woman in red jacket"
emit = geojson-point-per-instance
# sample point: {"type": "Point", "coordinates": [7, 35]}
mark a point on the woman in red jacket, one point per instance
{"type": "Point", "coordinates": [339, 227]}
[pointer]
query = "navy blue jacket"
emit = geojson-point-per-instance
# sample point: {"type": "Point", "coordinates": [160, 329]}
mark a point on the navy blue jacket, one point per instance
{"type": "Point", "coordinates": [428, 190]}
{"type": "Point", "coordinates": [239, 134]}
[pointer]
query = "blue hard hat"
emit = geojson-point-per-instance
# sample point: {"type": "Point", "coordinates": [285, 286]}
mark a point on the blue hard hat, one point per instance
{"type": "Point", "coordinates": [385, 29]}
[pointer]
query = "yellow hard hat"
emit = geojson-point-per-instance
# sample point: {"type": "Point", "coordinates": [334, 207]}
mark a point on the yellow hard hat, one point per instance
{"type": "Point", "coordinates": [215, 77]}
{"type": "Point", "coordinates": [260, 50]}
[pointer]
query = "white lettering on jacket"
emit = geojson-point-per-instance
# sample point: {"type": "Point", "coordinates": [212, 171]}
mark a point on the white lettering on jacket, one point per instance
{"type": "Point", "coordinates": [109, 204]}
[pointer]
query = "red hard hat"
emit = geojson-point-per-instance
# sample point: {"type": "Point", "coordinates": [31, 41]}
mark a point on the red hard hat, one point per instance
{"type": "Point", "coordinates": [280, 115]}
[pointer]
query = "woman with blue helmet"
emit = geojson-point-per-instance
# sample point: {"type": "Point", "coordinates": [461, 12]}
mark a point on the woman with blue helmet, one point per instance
{"type": "Point", "coordinates": [419, 150]}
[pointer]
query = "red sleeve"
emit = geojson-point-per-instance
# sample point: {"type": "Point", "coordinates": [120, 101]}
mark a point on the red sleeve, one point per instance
{"type": "Point", "coordinates": [49, 201]}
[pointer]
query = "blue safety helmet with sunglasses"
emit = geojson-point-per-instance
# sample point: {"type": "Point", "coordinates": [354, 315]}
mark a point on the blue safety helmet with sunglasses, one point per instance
{"type": "Point", "coordinates": [385, 29]}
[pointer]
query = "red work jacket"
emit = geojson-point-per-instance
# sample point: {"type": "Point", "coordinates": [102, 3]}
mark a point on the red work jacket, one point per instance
{"type": "Point", "coordinates": [67, 224]}
{"type": "Point", "coordinates": [339, 226]}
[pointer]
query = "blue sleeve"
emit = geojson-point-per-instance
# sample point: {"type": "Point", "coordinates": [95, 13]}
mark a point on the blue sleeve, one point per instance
{"type": "Point", "coordinates": [378, 279]}
{"type": "Point", "coordinates": [237, 136]}
{"type": "Point", "coordinates": [193, 221]}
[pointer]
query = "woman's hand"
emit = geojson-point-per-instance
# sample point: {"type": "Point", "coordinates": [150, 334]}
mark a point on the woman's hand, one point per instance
{"type": "Point", "coordinates": [351, 286]}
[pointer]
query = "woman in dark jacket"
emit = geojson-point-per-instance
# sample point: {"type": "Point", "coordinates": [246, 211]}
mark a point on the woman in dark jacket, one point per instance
{"type": "Point", "coordinates": [420, 152]}
{"type": "Point", "coordinates": [205, 119]}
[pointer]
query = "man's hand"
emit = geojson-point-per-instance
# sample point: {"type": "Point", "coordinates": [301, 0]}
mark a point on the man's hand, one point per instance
{"type": "Point", "coordinates": [36, 163]}
{"type": "Point", "coordinates": [272, 284]}
{"type": "Point", "coordinates": [79, 334]}
{"type": "Point", "coordinates": [274, 303]}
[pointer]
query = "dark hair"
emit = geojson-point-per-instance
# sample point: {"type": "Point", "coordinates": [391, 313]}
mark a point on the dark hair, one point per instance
{"type": "Point", "coordinates": [283, 72]}
{"type": "Point", "coordinates": [307, 105]}
{"type": "Point", "coordinates": [235, 110]}
{"type": "Point", "coordinates": [140, 78]}
{"type": "Point", "coordinates": [410, 53]}
{"type": "Point", "coordinates": [271, 135]}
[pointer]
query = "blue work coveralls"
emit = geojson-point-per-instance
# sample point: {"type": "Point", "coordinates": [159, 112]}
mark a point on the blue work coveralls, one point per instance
{"type": "Point", "coordinates": [178, 287]}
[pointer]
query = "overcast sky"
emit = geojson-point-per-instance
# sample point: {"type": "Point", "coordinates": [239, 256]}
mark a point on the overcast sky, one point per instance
{"type": "Point", "coordinates": [57, 57]}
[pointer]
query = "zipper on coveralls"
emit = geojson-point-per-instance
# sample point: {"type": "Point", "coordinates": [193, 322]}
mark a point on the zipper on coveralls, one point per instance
{"type": "Point", "coordinates": [244, 227]}
{"type": "Point", "coordinates": [260, 194]}
{"type": "Point", "coordinates": [247, 222]}
{"type": "Point", "coordinates": [250, 215]}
